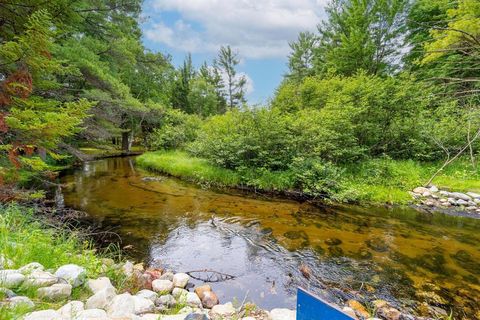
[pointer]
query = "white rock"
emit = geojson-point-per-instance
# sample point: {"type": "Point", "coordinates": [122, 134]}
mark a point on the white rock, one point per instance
{"type": "Point", "coordinates": [71, 309]}
{"type": "Point", "coordinates": [459, 195]}
{"type": "Point", "coordinates": [57, 291]}
{"type": "Point", "coordinates": [40, 278]}
{"type": "Point", "coordinates": [462, 202]}
{"type": "Point", "coordinates": [474, 195]}
{"type": "Point", "coordinates": [44, 315]}
{"type": "Point", "coordinates": [433, 189]}
{"type": "Point", "coordinates": [350, 312]}
{"type": "Point", "coordinates": [162, 286]}
{"type": "Point", "coordinates": [420, 190]}
{"type": "Point", "coordinates": [426, 194]}
{"type": "Point", "coordinates": [180, 316]}
{"type": "Point", "coordinates": [193, 300]}
{"type": "Point", "coordinates": [73, 274]}
{"type": "Point", "coordinates": [91, 314]}
{"type": "Point", "coordinates": [11, 279]}
{"type": "Point", "coordinates": [101, 299]}
{"type": "Point", "coordinates": [147, 294]}
{"type": "Point", "coordinates": [128, 268]}
{"type": "Point", "coordinates": [283, 314]}
{"type": "Point", "coordinates": [180, 280]}
{"type": "Point", "coordinates": [143, 305]}
{"type": "Point", "coordinates": [248, 318]}
{"type": "Point", "coordinates": [122, 305]}
{"type": "Point", "coordinates": [167, 300]}
{"type": "Point", "coordinates": [29, 268]}
{"type": "Point", "coordinates": [223, 310]}
{"type": "Point", "coordinates": [7, 293]}
{"type": "Point", "coordinates": [179, 292]}
{"type": "Point", "coordinates": [99, 284]}
{"type": "Point", "coordinates": [452, 201]}
{"type": "Point", "coordinates": [167, 276]}
{"type": "Point", "coordinates": [20, 301]}
{"type": "Point", "coordinates": [445, 193]}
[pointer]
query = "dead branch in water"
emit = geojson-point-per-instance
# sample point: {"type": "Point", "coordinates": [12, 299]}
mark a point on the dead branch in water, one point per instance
{"type": "Point", "coordinates": [209, 275]}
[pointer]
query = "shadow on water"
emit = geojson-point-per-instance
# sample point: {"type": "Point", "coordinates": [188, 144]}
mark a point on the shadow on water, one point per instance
{"type": "Point", "coordinates": [409, 258]}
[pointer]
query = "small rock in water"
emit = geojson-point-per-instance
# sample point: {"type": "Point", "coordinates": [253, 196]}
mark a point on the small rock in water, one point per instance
{"type": "Point", "coordinates": [193, 300]}
{"type": "Point", "coordinates": [461, 196]}
{"type": "Point", "coordinates": [209, 299]}
{"type": "Point", "coordinates": [73, 274]}
{"type": "Point", "coordinates": [473, 195]}
{"type": "Point", "coordinates": [421, 190]}
{"type": "Point", "coordinates": [200, 290]}
{"type": "Point", "coordinates": [180, 280]}
{"type": "Point", "coordinates": [162, 286]}
{"type": "Point", "coordinates": [333, 241]}
{"type": "Point", "coordinates": [283, 314]}
{"type": "Point", "coordinates": [426, 194]}
{"type": "Point", "coordinates": [57, 291]}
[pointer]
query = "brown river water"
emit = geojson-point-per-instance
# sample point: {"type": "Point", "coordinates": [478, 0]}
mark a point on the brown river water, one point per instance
{"type": "Point", "coordinates": [416, 261]}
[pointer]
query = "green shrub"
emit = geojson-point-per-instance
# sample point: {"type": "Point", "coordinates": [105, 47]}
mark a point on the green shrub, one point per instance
{"type": "Point", "coordinates": [175, 131]}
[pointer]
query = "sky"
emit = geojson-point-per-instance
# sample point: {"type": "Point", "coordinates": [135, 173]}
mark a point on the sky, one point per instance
{"type": "Point", "coordinates": [259, 30]}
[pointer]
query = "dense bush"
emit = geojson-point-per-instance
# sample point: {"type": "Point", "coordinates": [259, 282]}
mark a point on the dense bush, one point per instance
{"type": "Point", "coordinates": [175, 130]}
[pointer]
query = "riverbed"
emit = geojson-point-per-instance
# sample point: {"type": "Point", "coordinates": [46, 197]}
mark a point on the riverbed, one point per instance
{"type": "Point", "coordinates": [418, 262]}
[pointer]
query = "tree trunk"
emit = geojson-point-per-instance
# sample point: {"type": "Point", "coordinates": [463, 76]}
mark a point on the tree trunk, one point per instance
{"type": "Point", "coordinates": [125, 141]}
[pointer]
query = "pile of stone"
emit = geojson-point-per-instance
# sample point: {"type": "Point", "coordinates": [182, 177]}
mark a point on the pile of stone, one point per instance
{"type": "Point", "coordinates": [162, 292]}
{"type": "Point", "coordinates": [433, 197]}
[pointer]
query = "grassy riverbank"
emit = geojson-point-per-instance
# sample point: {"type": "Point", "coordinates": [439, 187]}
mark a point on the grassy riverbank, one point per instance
{"type": "Point", "coordinates": [25, 238]}
{"type": "Point", "coordinates": [374, 181]}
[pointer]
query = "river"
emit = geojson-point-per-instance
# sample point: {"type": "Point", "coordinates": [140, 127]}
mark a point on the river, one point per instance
{"type": "Point", "coordinates": [416, 261]}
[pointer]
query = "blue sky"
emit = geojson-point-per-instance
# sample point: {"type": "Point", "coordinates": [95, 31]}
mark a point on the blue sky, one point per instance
{"type": "Point", "coordinates": [259, 30]}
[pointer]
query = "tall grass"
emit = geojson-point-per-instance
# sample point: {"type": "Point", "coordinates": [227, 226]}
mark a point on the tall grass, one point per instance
{"type": "Point", "coordinates": [376, 181]}
{"type": "Point", "coordinates": [24, 238]}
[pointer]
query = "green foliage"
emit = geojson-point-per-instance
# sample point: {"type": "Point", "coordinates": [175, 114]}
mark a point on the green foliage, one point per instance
{"type": "Point", "coordinates": [175, 131]}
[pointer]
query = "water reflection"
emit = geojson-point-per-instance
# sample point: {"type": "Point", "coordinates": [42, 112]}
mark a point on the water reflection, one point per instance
{"type": "Point", "coordinates": [399, 255]}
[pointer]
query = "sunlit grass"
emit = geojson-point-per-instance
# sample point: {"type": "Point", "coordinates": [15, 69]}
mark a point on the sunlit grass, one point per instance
{"type": "Point", "coordinates": [376, 181]}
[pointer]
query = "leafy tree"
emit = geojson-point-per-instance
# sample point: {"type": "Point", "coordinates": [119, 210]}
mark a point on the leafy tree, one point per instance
{"type": "Point", "coordinates": [301, 59]}
{"type": "Point", "coordinates": [360, 35]}
{"type": "Point", "coordinates": [234, 84]}
{"type": "Point", "coordinates": [33, 115]}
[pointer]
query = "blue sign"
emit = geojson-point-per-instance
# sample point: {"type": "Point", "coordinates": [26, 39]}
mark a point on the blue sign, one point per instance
{"type": "Point", "coordinates": [310, 307]}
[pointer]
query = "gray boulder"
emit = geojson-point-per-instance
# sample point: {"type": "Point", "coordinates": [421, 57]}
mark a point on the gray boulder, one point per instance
{"type": "Point", "coordinates": [162, 286]}
{"type": "Point", "coordinates": [71, 309]}
{"type": "Point", "coordinates": [20, 301]}
{"type": "Point", "coordinates": [11, 279]}
{"type": "Point", "coordinates": [73, 274]}
{"type": "Point", "coordinates": [99, 284]}
{"type": "Point", "coordinates": [29, 268]}
{"type": "Point", "coordinates": [180, 280]}
{"type": "Point", "coordinates": [147, 294]}
{"type": "Point", "coordinates": [122, 305]}
{"type": "Point", "coordinates": [461, 196]}
{"type": "Point", "coordinates": [40, 278]}
{"type": "Point", "coordinates": [58, 291]}
{"type": "Point", "coordinates": [101, 299]}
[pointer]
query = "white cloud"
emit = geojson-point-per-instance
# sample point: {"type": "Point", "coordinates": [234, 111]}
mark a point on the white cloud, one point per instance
{"type": "Point", "coordinates": [257, 29]}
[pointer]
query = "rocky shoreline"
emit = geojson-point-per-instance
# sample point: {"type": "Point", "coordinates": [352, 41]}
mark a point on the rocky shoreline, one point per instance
{"type": "Point", "coordinates": [159, 294]}
{"type": "Point", "coordinates": [452, 203]}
